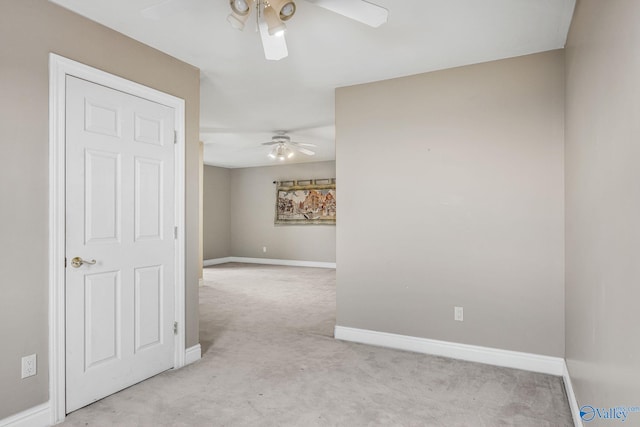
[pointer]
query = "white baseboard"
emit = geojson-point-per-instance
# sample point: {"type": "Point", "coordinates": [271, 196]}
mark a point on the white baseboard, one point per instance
{"type": "Point", "coordinates": [491, 356]}
{"type": "Point", "coordinates": [571, 397]}
{"type": "Point", "coordinates": [216, 261]}
{"type": "Point", "coordinates": [192, 354]}
{"type": "Point", "coordinates": [38, 416]}
{"type": "Point", "coordinates": [289, 262]}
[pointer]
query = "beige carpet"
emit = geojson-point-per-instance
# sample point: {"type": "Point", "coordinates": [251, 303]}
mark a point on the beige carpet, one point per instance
{"type": "Point", "coordinates": [269, 359]}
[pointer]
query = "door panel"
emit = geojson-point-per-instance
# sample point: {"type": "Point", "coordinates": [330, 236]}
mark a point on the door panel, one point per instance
{"type": "Point", "coordinates": [148, 199]}
{"type": "Point", "coordinates": [120, 212]}
{"type": "Point", "coordinates": [102, 197]}
{"type": "Point", "coordinates": [102, 118]}
{"type": "Point", "coordinates": [102, 317]}
{"type": "Point", "coordinates": [149, 130]}
{"type": "Point", "coordinates": [148, 307]}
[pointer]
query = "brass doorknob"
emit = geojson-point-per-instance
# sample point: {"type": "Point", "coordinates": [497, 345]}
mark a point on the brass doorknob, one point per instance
{"type": "Point", "coordinates": [77, 262]}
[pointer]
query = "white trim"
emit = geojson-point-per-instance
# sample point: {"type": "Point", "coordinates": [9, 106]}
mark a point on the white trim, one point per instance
{"type": "Point", "coordinates": [192, 354]}
{"type": "Point", "coordinates": [37, 416]}
{"type": "Point", "coordinates": [57, 94]}
{"type": "Point", "coordinates": [59, 68]}
{"type": "Point", "coordinates": [180, 206]}
{"type": "Point", "coordinates": [571, 397]}
{"type": "Point", "coordinates": [216, 261]}
{"type": "Point", "coordinates": [491, 356]}
{"type": "Point", "coordinates": [289, 262]}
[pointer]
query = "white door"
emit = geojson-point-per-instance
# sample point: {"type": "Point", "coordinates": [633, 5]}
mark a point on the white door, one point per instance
{"type": "Point", "coordinates": [120, 212]}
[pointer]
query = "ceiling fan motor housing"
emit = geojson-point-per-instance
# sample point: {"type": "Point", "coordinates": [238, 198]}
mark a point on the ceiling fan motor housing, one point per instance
{"type": "Point", "coordinates": [281, 139]}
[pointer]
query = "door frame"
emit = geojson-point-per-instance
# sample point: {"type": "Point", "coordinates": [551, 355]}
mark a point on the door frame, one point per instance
{"type": "Point", "coordinates": [59, 68]}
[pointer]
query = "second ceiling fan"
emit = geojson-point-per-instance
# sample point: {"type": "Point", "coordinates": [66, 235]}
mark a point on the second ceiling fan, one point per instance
{"type": "Point", "coordinates": [283, 146]}
{"type": "Point", "coordinates": [271, 16]}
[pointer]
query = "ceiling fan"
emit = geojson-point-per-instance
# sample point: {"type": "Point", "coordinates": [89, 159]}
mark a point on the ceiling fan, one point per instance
{"type": "Point", "coordinates": [271, 16]}
{"type": "Point", "coordinates": [284, 147]}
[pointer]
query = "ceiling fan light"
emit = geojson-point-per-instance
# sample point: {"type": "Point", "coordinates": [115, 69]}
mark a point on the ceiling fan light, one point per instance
{"type": "Point", "coordinates": [285, 9]}
{"type": "Point", "coordinates": [276, 26]}
{"type": "Point", "coordinates": [286, 151]}
{"type": "Point", "coordinates": [240, 7]}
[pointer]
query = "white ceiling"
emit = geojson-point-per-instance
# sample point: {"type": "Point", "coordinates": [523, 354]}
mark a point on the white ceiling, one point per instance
{"type": "Point", "coordinates": [245, 98]}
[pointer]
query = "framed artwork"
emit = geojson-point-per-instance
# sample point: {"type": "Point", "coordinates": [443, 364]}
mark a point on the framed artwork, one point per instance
{"type": "Point", "coordinates": [311, 201]}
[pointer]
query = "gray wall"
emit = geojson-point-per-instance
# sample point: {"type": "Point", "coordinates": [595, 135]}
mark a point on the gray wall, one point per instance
{"type": "Point", "coordinates": [603, 203]}
{"type": "Point", "coordinates": [216, 212]}
{"type": "Point", "coordinates": [451, 193]}
{"type": "Point", "coordinates": [29, 30]}
{"type": "Point", "coordinates": [252, 215]}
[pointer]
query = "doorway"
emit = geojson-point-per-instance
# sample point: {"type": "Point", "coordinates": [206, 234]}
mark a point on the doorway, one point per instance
{"type": "Point", "coordinates": [116, 234]}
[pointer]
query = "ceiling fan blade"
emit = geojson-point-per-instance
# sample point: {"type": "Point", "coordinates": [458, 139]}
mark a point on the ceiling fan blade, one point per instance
{"type": "Point", "coordinates": [270, 143]}
{"type": "Point", "coordinates": [303, 144]}
{"type": "Point", "coordinates": [304, 151]}
{"type": "Point", "coordinates": [275, 47]}
{"type": "Point", "coordinates": [358, 10]}
{"type": "Point", "coordinates": [166, 9]}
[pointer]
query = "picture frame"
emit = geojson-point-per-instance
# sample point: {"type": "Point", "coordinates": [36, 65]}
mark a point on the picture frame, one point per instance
{"type": "Point", "coordinates": [306, 202]}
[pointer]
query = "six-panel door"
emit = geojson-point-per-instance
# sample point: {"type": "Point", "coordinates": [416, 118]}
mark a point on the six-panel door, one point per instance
{"type": "Point", "coordinates": [120, 208]}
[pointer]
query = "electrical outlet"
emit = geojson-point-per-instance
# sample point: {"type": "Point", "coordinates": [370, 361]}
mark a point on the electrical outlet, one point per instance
{"type": "Point", "coordinates": [264, 249]}
{"type": "Point", "coordinates": [458, 314]}
{"type": "Point", "coordinates": [29, 366]}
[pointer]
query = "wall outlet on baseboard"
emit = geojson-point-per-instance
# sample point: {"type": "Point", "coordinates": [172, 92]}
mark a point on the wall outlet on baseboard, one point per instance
{"type": "Point", "coordinates": [29, 366]}
{"type": "Point", "coordinates": [458, 314]}
{"type": "Point", "coordinates": [264, 249]}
